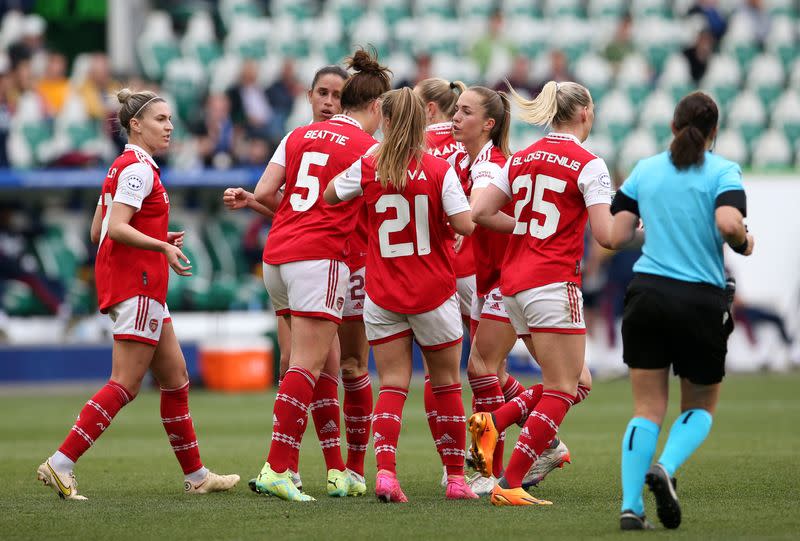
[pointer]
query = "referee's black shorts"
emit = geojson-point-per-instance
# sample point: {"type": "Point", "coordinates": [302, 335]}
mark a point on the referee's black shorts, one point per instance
{"type": "Point", "coordinates": [672, 322]}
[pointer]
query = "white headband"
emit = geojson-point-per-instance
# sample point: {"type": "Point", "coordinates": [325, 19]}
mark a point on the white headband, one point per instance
{"type": "Point", "coordinates": [145, 105]}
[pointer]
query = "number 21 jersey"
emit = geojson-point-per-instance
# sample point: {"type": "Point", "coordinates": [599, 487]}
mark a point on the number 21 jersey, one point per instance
{"type": "Point", "coordinates": [305, 227]}
{"type": "Point", "coordinates": [551, 184]}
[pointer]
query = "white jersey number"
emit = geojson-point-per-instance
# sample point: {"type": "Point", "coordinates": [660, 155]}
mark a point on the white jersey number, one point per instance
{"type": "Point", "coordinates": [398, 202]}
{"type": "Point", "coordinates": [310, 182]}
{"type": "Point", "coordinates": [550, 211]}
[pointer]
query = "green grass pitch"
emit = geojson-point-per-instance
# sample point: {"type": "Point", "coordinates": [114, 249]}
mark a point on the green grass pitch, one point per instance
{"type": "Point", "coordinates": [742, 484]}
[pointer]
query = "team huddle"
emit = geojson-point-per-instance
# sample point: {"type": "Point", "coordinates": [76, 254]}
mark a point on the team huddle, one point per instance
{"type": "Point", "coordinates": [437, 227]}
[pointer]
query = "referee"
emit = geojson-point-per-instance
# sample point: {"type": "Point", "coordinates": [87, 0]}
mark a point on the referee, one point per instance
{"type": "Point", "coordinates": [690, 202]}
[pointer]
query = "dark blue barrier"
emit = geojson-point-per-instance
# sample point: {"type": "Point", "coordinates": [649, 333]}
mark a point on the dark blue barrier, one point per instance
{"type": "Point", "coordinates": [11, 179]}
{"type": "Point", "coordinates": [21, 364]}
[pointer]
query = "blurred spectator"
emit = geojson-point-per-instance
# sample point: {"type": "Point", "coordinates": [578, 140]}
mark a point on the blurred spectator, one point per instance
{"type": "Point", "coordinates": [53, 87]}
{"type": "Point", "coordinates": [98, 89]}
{"type": "Point", "coordinates": [519, 78]}
{"type": "Point", "coordinates": [559, 70]}
{"type": "Point", "coordinates": [33, 29]}
{"type": "Point", "coordinates": [486, 47]}
{"type": "Point", "coordinates": [17, 264]}
{"type": "Point", "coordinates": [250, 107]}
{"type": "Point", "coordinates": [5, 111]}
{"type": "Point", "coordinates": [215, 135]}
{"type": "Point", "coordinates": [281, 95]}
{"type": "Point", "coordinates": [621, 45]}
{"type": "Point", "coordinates": [21, 79]}
{"type": "Point", "coordinates": [700, 54]}
{"type": "Point", "coordinates": [758, 18]}
{"type": "Point", "coordinates": [254, 153]}
{"type": "Point", "coordinates": [424, 71]}
{"type": "Point", "coordinates": [714, 20]}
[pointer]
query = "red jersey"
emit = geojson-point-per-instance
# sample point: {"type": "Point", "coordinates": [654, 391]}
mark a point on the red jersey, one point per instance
{"type": "Point", "coordinates": [357, 242]}
{"type": "Point", "coordinates": [305, 227]}
{"type": "Point", "coordinates": [551, 183]}
{"type": "Point", "coordinates": [488, 247]}
{"type": "Point", "coordinates": [408, 267]}
{"type": "Point", "coordinates": [439, 140]}
{"type": "Point", "coordinates": [122, 271]}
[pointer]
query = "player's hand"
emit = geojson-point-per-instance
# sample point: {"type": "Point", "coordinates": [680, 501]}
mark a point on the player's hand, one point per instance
{"type": "Point", "coordinates": [751, 242]}
{"type": "Point", "coordinates": [175, 238]}
{"type": "Point", "coordinates": [458, 243]}
{"type": "Point", "coordinates": [176, 260]}
{"type": "Point", "coordinates": [235, 198]}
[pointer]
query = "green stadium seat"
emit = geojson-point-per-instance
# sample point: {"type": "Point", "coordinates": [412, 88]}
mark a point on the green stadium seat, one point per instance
{"type": "Point", "coordinates": [786, 115]}
{"type": "Point", "coordinates": [740, 41]}
{"type": "Point", "coordinates": [232, 10]}
{"type": "Point", "coordinates": [606, 9]}
{"type": "Point", "coordinates": [156, 46]}
{"type": "Point", "coordinates": [722, 79]}
{"type": "Point", "coordinates": [731, 145]}
{"type": "Point", "coordinates": [634, 77]}
{"type": "Point", "coordinates": [247, 38]}
{"type": "Point", "coordinates": [650, 9]}
{"type": "Point", "coordinates": [656, 116]}
{"type": "Point", "coordinates": [676, 78]}
{"type": "Point", "coordinates": [782, 40]}
{"type": "Point", "coordinates": [19, 300]}
{"type": "Point", "coordinates": [521, 8]}
{"type": "Point", "coordinates": [185, 80]}
{"type": "Point", "coordinates": [637, 145]}
{"type": "Point", "coordinates": [615, 115]}
{"type": "Point", "coordinates": [748, 115]}
{"type": "Point", "coordinates": [772, 151]}
{"type": "Point", "coordinates": [392, 10]}
{"type": "Point", "coordinates": [766, 77]}
{"type": "Point", "coordinates": [564, 9]}
{"type": "Point", "coordinates": [595, 73]}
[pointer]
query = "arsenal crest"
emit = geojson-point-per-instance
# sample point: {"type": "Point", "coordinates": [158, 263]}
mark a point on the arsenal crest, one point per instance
{"type": "Point", "coordinates": [153, 325]}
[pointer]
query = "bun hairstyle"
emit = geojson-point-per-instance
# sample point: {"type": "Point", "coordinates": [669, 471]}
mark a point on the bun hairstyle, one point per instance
{"type": "Point", "coordinates": [369, 81]}
{"type": "Point", "coordinates": [695, 118]}
{"type": "Point", "coordinates": [557, 103]}
{"type": "Point", "coordinates": [404, 137]}
{"type": "Point", "coordinates": [497, 106]}
{"type": "Point", "coordinates": [134, 104]}
{"type": "Point", "coordinates": [329, 70]}
{"type": "Point", "coordinates": [442, 92]}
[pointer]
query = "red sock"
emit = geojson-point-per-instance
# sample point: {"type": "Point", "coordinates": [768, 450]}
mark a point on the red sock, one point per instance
{"type": "Point", "coordinates": [294, 454]}
{"type": "Point", "coordinates": [518, 409]}
{"type": "Point", "coordinates": [451, 425]}
{"type": "Point", "coordinates": [488, 396]}
{"type": "Point", "coordinates": [386, 423]}
{"type": "Point", "coordinates": [325, 411]}
{"type": "Point", "coordinates": [291, 407]}
{"type": "Point", "coordinates": [177, 422]}
{"type": "Point", "coordinates": [357, 420]}
{"type": "Point", "coordinates": [94, 418]}
{"type": "Point", "coordinates": [512, 389]}
{"type": "Point", "coordinates": [539, 430]}
{"type": "Point", "coordinates": [583, 392]}
{"type": "Point", "coordinates": [431, 413]}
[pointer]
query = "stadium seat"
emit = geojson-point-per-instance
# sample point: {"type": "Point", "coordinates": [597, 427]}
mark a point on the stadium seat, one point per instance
{"type": "Point", "coordinates": [786, 115]}
{"type": "Point", "coordinates": [371, 29]}
{"type": "Point", "coordinates": [722, 79]}
{"type": "Point", "coordinates": [595, 73]}
{"type": "Point", "coordinates": [781, 7]}
{"type": "Point", "coordinates": [782, 40]}
{"type": "Point", "coordinates": [657, 38]}
{"type": "Point", "coordinates": [29, 131]}
{"type": "Point", "coordinates": [224, 73]}
{"type": "Point", "coordinates": [231, 10]}
{"type": "Point", "coordinates": [740, 41]}
{"type": "Point", "coordinates": [348, 11]}
{"type": "Point", "coordinates": [289, 37]}
{"type": "Point", "coordinates": [616, 114]}
{"type": "Point", "coordinates": [766, 77]}
{"type": "Point", "coordinates": [299, 10]}
{"type": "Point", "coordinates": [247, 37]}
{"type": "Point", "coordinates": [731, 145]}
{"type": "Point", "coordinates": [606, 9]}
{"type": "Point", "coordinates": [521, 8]}
{"type": "Point", "coordinates": [471, 8]}
{"type": "Point", "coordinates": [529, 35]}
{"type": "Point", "coordinates": [747, 114]}
{"type": "Point", "coordinates": [600, 144]}
{"type": "Point", "coordinates": [199, 41]}
{"type": "Point", "coordinates": [557, 9]}
{"type": "Point", "coordinates": [650, 8]}
{"type": "Point", "coordinates": [573, 38]}
{"type": "Point", "coordinates": [392, 10]}
{"type": "Point", "coordinates": [656, 115]}
{"type": "Point", "coordinates": [185, 79]}
{"type": "Point", "coordinates": [772, 151]}
{"type": "Point", "coordinates": [676, 78]}
{"type": "Point", "coordinates": [436, 8]}
{"type": "Point", "coordinates": [156, 46]}
{"type": "Point", "coordinates": [634, 77]}
{"type": "Point", "coordinates": [637, 145]}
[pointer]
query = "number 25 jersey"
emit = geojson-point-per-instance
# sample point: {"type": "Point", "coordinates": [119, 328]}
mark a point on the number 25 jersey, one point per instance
{"type": "Point", "coordinates": [305, 227]}
{"type": "Point", "coordinates": [551, 183]}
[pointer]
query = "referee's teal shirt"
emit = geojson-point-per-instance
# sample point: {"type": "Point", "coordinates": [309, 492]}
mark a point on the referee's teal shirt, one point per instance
{"type": "Point", "coordinates": [677, 209]}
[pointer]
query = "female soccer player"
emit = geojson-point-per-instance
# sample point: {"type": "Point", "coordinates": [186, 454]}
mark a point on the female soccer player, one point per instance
{"type": "Point", "coordinates": [132, 271]}
{"type": "Point", "coordinates": [691, 202]}
{"type": "Point", "coordinates": [325, 99]}
{"type": "Point", "coordinates": [550, 188]}
{"type": "Point", "coordinates": [305, 271]}
{"type": "Point", "coordinates": [411, 290]}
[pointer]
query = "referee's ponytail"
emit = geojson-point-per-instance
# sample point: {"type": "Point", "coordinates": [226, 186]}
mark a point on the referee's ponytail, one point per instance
{"type": "Point", "coordinates": [693, 123]}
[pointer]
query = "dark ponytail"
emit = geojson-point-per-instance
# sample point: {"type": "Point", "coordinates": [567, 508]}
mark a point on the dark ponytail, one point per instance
{"type": "Point", "coordinates": [368, 83]}
{"type": "Point", "coordinates": [695, 119]}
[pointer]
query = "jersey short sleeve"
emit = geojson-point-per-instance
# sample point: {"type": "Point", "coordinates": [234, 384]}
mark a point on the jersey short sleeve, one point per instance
{"type": "Point", "coordinates": [134, 183]}
{"type": "Point", "coordinates": [594, 182]}
{"type": "Point", "coordinates": [483, 173]}
{"type": "Point", "coordinates": [279, 157]}
{"type": "Point", "coordinates": [730, 178]}
{"type": "Point", "coordinates": [631, 185]}
{"type": "Point", "coordinates": [501, 180]}
{"type": "Point", "coordinates": [348, 184]}
{"type": "Point", "coordinates": [454, 201]}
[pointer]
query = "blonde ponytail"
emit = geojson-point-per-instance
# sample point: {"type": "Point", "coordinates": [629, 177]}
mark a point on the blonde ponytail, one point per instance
{"type": "Point", "coordinates": [404, 137]}
{"type": "Point", "coordinates": [555, 104]}
{"type": "Point", "coordinates": [441, 92]}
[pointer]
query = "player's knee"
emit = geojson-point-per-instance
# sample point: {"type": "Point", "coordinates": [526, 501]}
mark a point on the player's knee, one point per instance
{"type": "Point", "coordinates": [353, 368]}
